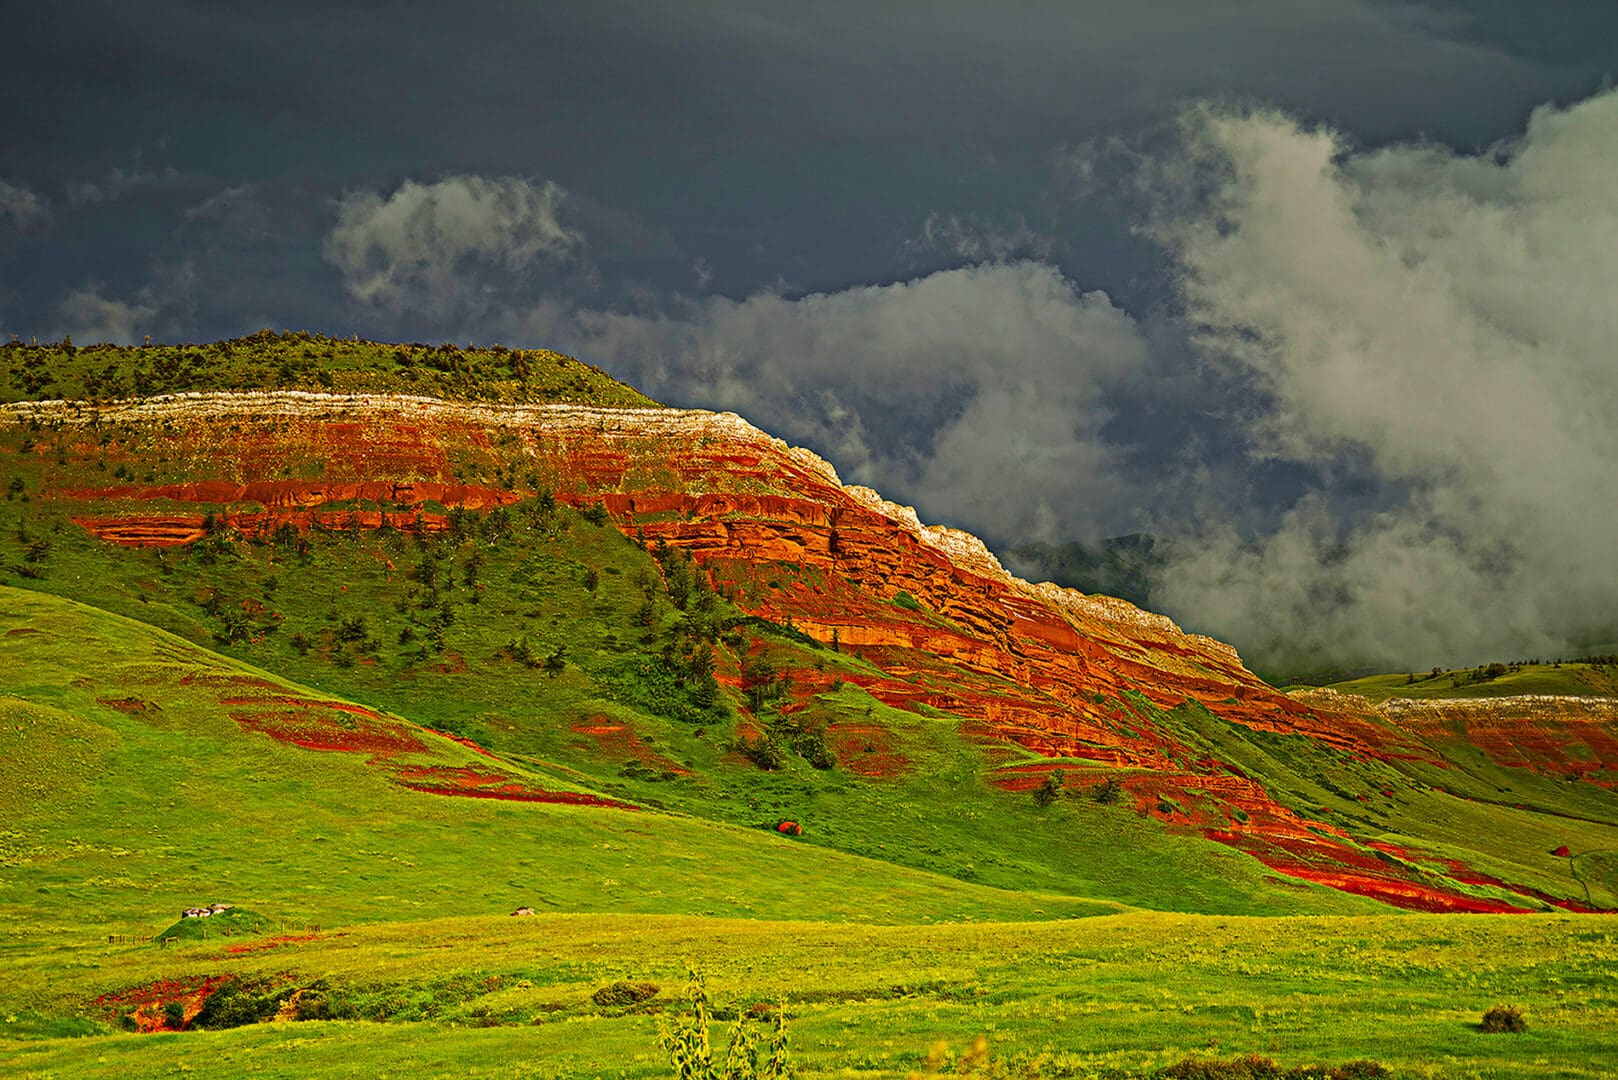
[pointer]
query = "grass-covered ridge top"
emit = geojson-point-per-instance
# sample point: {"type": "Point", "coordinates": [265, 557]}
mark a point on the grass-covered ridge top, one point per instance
{"type": "Point", "coordinates": [1588, 677]}
{"type": "Point", "coordinates": [303, 361]}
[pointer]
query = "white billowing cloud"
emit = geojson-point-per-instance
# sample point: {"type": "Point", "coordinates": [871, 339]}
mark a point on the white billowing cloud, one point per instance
{"type": "Point", "coordinates": [416, 247]}
{"type": "Point", "coordinates": [21, 207]}
{"type": "Point", "coordinates": [1449, 321]}
{"type": "Point", "coordinates": [976, 392]}
{"type": "Point", "coordinates": [91, 318]}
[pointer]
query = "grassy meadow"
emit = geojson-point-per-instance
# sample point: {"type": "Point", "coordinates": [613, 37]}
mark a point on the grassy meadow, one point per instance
{"type": "Point", "coordinates": [1117, 996]}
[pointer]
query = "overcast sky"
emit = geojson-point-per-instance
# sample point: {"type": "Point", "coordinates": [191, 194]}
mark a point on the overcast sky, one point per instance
{"type": "Point", "coordinates": [1319, 289]}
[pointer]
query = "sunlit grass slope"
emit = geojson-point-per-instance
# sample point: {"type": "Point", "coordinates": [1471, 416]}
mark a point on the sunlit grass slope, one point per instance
{"type": "Point", "coordinates": [132, 793]}
{"type": "Point", "coordinates": [1575, 678]}
{"type": "Point", "coordinates": [454, 631]}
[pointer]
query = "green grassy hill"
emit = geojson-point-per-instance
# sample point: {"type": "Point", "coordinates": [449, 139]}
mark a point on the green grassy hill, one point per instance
{"type": "Point", "coordinates": [144, 783]}
{"type": "Point", "coordinates": [380, 741]}
{"type": "Point", "coordinates": [1575, 678]}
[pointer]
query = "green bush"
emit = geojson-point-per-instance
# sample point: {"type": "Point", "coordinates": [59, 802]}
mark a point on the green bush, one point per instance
{"type": "Point", "coordinates": [1504, 1019]}
{"type": "Point", "coordinates": [240, 1002]}
{"type": "Point", "coordinates": [1108, 792]}
{"type": "Point", "coordinates": [1052, 789]}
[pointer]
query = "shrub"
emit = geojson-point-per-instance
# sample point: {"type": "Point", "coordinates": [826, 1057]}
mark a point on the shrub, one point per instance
{"type": "Point", "coordinates": [621, 993]}
{"type": "Point", "coordinates": [765, 751]}
{"type": "Point", "coordinates": [174, 1014]}
{"type": "Point", "coordinates": [1051, 790]}
{"type": "Point", "coordinates": [321, 1002]}
{"type": "Point", "coordinates": [240, 1002]}
{"type": "Point", "coordinates": [692, 1055]}
{"type": "Point", "coordinates": [1504, 1019]}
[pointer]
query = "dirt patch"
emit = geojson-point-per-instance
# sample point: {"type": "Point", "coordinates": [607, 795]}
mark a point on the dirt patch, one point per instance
{"type": "Point", "coordinates": [617, 741]}
{"type": "Point", "coordinates": [867, 750]}
{"type": "Point", "coordinates": [131, 706]}
{"type": "Point", "coordinates": [319, 725]}
{"type": "Point", "coordinates": [147, 1008]}
{"type": "Point", "coordinates": [272, 943]}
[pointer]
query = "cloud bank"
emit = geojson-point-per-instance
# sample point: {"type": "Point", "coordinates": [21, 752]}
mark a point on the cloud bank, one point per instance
{"type": "Point", "coordinates": [1439, 327]}
{"type": "Point", "coordinates": [421, 243]}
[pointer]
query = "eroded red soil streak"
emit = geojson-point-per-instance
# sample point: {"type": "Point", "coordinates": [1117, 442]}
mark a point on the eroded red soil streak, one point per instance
{"type": "Point", "coordinates": [1466, 875]}
{"type": "Point", "coordinates": [1549, 736]}
{"type": "Point", "coordinates": [1401, 894]}
{"type": "Point", "coordinates": [275, 495]}
{"type": "Point", "coordinates": [468, 782]}
{"type": "Point", "coordinates": [867, 750]}
{"type": "Point", "coordinates": [617, 741]}
{"type": "Point", "coordinates": [146, 1006]}
{"type": "Point", "coordinates": [131, 706]}
{"type": "Point", "coordinates": [325, 725]}
{"type": "Point", "coordinates": [172, 530]}
{"type": "Point", "coordinates": [468, 743]}
{"type": "Point", "coordinates": [298, 503]}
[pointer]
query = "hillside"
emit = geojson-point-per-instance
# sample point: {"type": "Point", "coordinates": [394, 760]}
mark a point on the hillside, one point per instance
{"type": "Point", "coordinates": [1572, 678]}
{"type": "Point", "coordinates": [355, 657]}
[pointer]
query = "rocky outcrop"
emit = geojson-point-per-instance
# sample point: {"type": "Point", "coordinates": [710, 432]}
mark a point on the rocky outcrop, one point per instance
{"type": "Point", "coordinates": [1571, 737]}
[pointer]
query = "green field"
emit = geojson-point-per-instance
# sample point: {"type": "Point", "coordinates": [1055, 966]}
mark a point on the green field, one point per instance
{"type": "Point", "coordinates": [118, 816]}
{"type": "Point", "coordinates": [1108, 997]}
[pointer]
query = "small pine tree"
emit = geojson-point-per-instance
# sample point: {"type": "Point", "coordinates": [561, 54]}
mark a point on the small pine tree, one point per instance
{"type": "Point", "coordinates": [1052, 789]}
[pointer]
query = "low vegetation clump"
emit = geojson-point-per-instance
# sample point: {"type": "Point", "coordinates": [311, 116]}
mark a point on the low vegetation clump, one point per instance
{"type": "Point", "coordinates": [623, 993]}
{"type": "Point", "coordinates": [1256, 1067]}
{"type": "Point", "coordinates": [1504, 1020]}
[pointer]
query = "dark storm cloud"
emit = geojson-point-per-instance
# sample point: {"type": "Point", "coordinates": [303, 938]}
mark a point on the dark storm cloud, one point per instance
{"type": "Point", "coordinates": [803, 141]}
